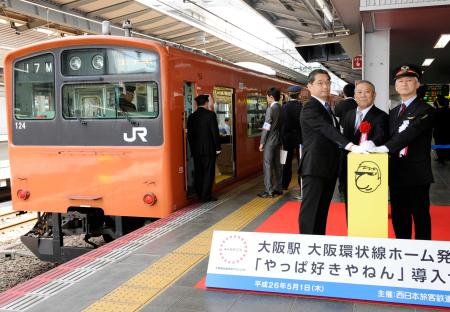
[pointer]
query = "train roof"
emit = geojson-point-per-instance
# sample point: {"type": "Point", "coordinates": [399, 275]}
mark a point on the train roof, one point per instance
{"type": "Point", "coordinates": [158, 44]}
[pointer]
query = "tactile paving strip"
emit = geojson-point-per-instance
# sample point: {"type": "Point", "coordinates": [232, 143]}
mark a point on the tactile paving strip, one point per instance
{"type": "Point", "coordinates": [37, 290]}
{"type": "Point", "coordinates": [167, 270]}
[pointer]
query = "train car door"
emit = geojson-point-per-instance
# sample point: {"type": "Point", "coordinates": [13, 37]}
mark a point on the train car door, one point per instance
{"type": "Point", "coordinates": [224, 108]}
{"type": "Point", "coordinates": [188, 94]}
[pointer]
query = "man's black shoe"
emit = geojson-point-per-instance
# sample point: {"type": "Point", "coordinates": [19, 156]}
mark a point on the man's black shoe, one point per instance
{"type": "Point", "coordinates": [265, 195]}
{"type": "Point", "coordinates": [276, 193]}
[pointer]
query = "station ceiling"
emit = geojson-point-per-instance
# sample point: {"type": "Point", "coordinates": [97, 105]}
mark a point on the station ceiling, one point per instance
{"type": "Point", "coordinates": [75, 17]}
{"type": "Point", "coordinates": [306, 24]}
{"type": "Point", "coordinates": [413, 31]}
{"type": "Point", "coordinates": [413, 34]}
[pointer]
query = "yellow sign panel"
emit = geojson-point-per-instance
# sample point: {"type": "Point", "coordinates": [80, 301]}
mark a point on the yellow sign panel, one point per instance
{"type": "Point", "coordinates": [367, 185]}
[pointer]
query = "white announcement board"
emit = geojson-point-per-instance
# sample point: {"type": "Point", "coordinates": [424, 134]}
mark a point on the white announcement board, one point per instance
{"type": "Point", "coordinates": [388, 270]}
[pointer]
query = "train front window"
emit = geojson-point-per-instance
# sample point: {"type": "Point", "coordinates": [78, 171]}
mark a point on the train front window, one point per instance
{"type": "Point", "coordinates": [34, 92]}
{"type": "Point", "coordinates": [111, 100]}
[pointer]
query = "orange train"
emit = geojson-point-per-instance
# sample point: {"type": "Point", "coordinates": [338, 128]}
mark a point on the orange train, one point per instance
{"type": "Point", "coordinates": [97, 132]}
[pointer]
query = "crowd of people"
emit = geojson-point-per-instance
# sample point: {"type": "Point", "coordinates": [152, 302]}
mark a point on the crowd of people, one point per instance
{"type": "Point", "coordinates": [320, 139]}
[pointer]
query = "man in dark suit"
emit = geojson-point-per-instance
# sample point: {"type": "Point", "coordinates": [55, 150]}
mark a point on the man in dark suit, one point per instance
{"type": "Point", "coordinates": [320, 155]}
{"type": "Point", "coordinates": [409, 146]}
{"type": "Point", "coordinates": [348, 103]}
{"type": "Point", "coordinates": [291, 132]}
{"type": "Point", "coordinates": [341, 108]}
{"type": "Point", "coordinates": [368, 113]}
{"type": "Point", "coordinates": [270, 145]}
{"type": "Point", "coordinates": [203, 136]}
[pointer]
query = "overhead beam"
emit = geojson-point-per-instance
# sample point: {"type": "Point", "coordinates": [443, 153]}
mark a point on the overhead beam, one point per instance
{"type": "Point", "coordinates": [154, 30]}
{"type": "Point", "coordinates": [122, 18]}
{"type": "Point", "coordinates": [176, 32]}
{"type": "Point", "coordinates": [110, 8]}
{"type": "Point", "coordinates": [76, 3]}
{"type": "Point", "coordinates": [304, 15]}
{"type": "Point", "coordinates": [30, 25]}
{"type": "Point", "coordinates": [56, 15]}
{"type": "Point", "coordinates": [230, 48]}
{"type": "Point", "coordinates": [297, 26]}
{"type": "Point", "coordinates": [185, 37]}
{"type": "Point", "coordinates": [317, 17]}
{"type": "Point", "coordinates": [209, 41]}
{"type": "Point", "coordinates": [150, 21]}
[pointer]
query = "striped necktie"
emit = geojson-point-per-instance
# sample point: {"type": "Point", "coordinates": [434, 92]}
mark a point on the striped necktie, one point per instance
{"type": "Point", "coordinates": [402, 110]}
{"type": "Point", "coordinates": [359, 118]}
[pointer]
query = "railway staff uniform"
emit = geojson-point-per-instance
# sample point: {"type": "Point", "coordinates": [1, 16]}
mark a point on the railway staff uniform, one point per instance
{"type": "Point", "coordinates": [270, 145]}
{"type": "Point", "coordinates": [409, 147]}
{"type": "Point", "coordinates": [366, 112]}
{"type": "Point", "coordinates": [320, 154]}
{"type": "Point", "coordinates": [203, 136]}
{"type": "Point", "coordinates": [291, 132]}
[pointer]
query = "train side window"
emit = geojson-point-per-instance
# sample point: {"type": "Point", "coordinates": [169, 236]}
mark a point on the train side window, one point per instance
{"type": "Point", "coordinates": [256, 111]}
{"type": "Point", "coordinates": [111, 100]}
{"type": "Point", "coordinates": [34, 88]}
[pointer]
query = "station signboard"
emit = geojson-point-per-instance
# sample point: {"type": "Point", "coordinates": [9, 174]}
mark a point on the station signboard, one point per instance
{"type": "Point", "coordinates": [357, 62]}
{"type": "Point", "coordinates": [376, 269]}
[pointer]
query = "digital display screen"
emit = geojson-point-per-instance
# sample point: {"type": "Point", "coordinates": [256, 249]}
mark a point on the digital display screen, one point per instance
{"type": "Point", "coordinates": [108, 61]}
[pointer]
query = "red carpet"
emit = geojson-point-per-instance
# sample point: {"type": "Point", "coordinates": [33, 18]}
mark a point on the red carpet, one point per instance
{"type": "Point", "coordinates": [285, 220]}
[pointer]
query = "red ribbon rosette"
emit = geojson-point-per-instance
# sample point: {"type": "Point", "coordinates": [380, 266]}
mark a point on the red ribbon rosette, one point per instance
{"type": "Point", "coordinates": [364, 128]}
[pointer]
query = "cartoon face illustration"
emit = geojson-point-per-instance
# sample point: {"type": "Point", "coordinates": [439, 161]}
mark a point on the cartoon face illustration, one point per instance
{"type": "Point", "coordinates": [367, 177]}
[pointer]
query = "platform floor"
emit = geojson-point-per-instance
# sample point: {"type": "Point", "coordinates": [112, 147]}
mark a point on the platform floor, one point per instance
{"type": "Point", "coordinates": [158, 267]}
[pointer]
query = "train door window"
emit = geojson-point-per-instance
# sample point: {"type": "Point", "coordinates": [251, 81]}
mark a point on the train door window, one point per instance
{"type": "Point", "coordinates": [111, 100]}
{"type": "Point", "coordinates": [224, 108]}
{"type": "Point", "coordinates": [256, 111]}
{"type": "Point", "coordinates": [34, 85]}
{"type": "Point", "coordinates": [188, 96]}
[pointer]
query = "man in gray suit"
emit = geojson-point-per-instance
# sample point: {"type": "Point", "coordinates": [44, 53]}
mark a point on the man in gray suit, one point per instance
{"type": "Point", "coordinates": [271, 144]}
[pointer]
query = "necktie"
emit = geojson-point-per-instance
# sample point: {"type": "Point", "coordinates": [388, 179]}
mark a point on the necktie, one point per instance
{"type": "Point", "coordinates": [402, 110]}
{"type": "Point", "coordinates": [330, 112]}
{"type": "Point", "coordinates": [359, 118]}
{"type": "Point", "coordinates": [328, 108]}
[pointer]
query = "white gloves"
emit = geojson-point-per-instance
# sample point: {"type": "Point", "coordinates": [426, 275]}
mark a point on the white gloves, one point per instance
{"type": "Point", "coordinates": [218, 152]}
{"type": "Point", "coordinates": [368, 145]}
{"type": "Point", "coordinates": [379, 149]}
{"type": "Point", "coordinates": [358, 149]}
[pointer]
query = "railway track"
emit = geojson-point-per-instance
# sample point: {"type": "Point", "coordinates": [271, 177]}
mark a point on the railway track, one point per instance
{"type": "Point", "coordinates": [11, 220]}
{"type": "Point", "coordinates": [18, 222]}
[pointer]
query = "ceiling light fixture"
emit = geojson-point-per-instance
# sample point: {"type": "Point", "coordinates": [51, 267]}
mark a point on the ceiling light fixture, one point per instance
{"type": "Point", "coordinates": [427, 62]}
{"type": "Point", "coordinates": [442, 42]}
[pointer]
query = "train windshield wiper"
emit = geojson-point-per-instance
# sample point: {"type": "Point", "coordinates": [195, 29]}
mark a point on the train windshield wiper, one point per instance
{"type": "Point", "coordinates": [132, 121]}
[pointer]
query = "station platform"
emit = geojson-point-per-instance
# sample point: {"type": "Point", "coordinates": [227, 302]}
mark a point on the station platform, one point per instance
{"type": "Point", "coordinates": [162, 266]}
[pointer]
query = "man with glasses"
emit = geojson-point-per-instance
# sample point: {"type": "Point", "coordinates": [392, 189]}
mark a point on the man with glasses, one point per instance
{"type": "Point", "coordinates": [320, 155]}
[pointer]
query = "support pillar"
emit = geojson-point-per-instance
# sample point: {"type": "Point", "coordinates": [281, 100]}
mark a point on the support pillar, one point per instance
{"type": "Point", "coordinates": [376, 49]}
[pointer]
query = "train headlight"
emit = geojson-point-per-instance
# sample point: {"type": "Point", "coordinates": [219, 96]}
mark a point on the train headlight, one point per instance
{"type": "Point", "coordinates": [75, 63]}
{"type": "Point", "coordinates": [97, 61]}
